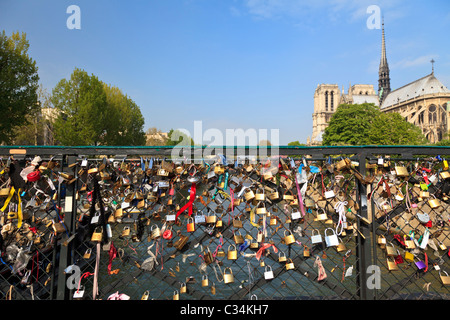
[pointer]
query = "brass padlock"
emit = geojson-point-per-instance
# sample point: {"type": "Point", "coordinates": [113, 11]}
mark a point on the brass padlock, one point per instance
{"type": "Point", "coordinates": [281, 258]}
{"type": "Point", "coordinates": [322, 216]}
{"type": "Point", "coordinates": [445, 175]}
{"type": "Point", "coordinates": [424, 194]}
{"type": "Point", "coordinates": [381, 240]}
{"type": "Point", "coordinates": [207, 255]}
{"type": "Point", "coordinates": [155, 231]}
{"type": "Point", "coordinates": [390, 250]}
{"type": "Point", "coordinates": [288, 197]}
{"type": "Point", "coordinates": [434, 203]}
{"type": "Point", "coordinates": [260, 196]}
{"type": "Point", "coordinates": [290, 265]}
{"type": "Point", "coordinates": [87, 253]}
{"type": "Point", "coordinates": [306, 252]}
{"type": "Point", "coordinates": [340, 165]}
{"type": "Point", "coordinates": [228, 277]}
{"type": "Point", "coordinates": [261, 208]}
{"type": "Point", "coordinates": [176, 295]}
{"type": "Point", "coordinates": [118, 213]}
{"type": "Point", "coordinates": [401, 171]}
{"type": "Point", "coordinates": [237, 223]}
{"type": "Point", "coordinates": [273, 220]}
{"type": "Point", "coordinates": [145, 295]}
{"type": "Point", "coordinates": [205, 281]}
{"type": "Point", "coordinates": [183, 288]}
{"type": "Point", "coordinates": [309, 203]}
{"type": "Point", "coordinates": [442, 246]}
{"type": "Point", "coordinates": [126, 231]}
{"type": "Point", "coordinates": [238, 238]}
{"type": "Point", "coordinates": [12, 215]}
{"type": "Point", "coordinates": [341, 246]}
{"type": "Point", "coordinates": [190, 227]}
{"type": "Point", "coordinates": [219, 223]}
{"type": "Point", "coordinates": [232, 253]}
{"type": "Point", "coordinates": [248, 194]}
{"type": "Point", "coordinates": [288, 239]}
{"type": "Point", "coordinates": [445, 279]}
{"type": "Point", "coordinates": [391, 264]}
{"type": "Point", "coordinates": [211, 218]}
{"type": "Point", "coordinates": [274, 195]}
{"type": "Point", "coordinates": [97, 235]}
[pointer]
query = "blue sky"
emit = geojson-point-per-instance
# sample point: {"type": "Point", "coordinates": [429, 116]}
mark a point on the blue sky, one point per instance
{"type": "Point", "coordinates": [233, 64]}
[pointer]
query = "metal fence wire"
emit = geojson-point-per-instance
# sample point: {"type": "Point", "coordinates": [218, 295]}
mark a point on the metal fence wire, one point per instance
{"type": "Point", "coordinates": [307, 223]}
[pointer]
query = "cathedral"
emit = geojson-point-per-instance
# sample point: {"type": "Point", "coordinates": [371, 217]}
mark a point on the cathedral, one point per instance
{"type": "Point", "coordinates": [422, 102]}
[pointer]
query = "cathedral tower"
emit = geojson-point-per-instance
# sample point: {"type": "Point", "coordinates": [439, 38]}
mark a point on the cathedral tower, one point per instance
{"type": "Point", "coordinates": [384, 82]}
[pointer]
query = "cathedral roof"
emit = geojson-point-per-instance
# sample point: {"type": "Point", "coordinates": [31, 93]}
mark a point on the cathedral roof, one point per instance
{"type": "Point", "coordinates": [426, 85]}
{"type": "Point", "coordinates": [363, 98]}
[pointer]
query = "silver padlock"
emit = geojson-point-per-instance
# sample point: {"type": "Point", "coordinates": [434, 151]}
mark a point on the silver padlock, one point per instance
{"type": "Point", "coordinates": [268, 274]}
{"type": "Point", "coordinates": [331, 240]}
{"type": "Point", "coordinates": [316, 238]}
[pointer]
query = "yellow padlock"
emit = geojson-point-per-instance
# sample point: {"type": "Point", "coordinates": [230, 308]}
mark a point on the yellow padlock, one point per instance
{"type": "Point", "coordinates": [288, 239]}
{"type": "Point", "coordinates": [290, 265]}
{"type": "Point", "coordinates": [205, 281]}
{"type": "Point", "coordinates": [232, 253]}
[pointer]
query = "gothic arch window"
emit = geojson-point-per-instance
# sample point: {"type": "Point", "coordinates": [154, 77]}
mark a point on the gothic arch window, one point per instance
{"type": "Point", "coordinates": [432, 114]}
{"type": "Point", "coordinates": [439, 135]}
{"type": "Point", "coordinates": [326, 100]}
{"type": "Point", "coordinates": [420, 117]}
{"type": "Point", "coordinates": [444, 114]}
{"type": "Point", "coordinates": [431, 137]}
{"type": "Point", "coordinates": [332, 100]}
{"type": "Point", "coordinates": [367, 93]}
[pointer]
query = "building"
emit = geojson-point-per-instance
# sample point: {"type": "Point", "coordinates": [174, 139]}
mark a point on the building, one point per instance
{"type": "Point", "coordinates": [422, 102]}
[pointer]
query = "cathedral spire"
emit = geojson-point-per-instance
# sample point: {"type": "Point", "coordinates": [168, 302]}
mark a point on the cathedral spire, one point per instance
{"type": "Point", "coordinates": [384, 85]}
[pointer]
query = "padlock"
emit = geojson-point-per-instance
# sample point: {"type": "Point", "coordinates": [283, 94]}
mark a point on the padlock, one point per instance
{"type": "Point", "coordinates": [341, 164]}
{"type": "Point", "coordinates": [295, 215]}
{"type": "Point", "coordinates": [260, 196]}
{"type": "Point", "coordinates": [97, 235]}
{"type": "Point", "coordinates": [219, 223]}
{"type": "Point", "coordinates": [316, 237]}
{"type": "Point", "coordinates": [254, 245]}
{"type": "Point", "coordinates": [288, 197]}
{"type": "Point", "coordinates": [322, 216]}
{"type": "Point", "coordinates": [145, 295]}
{"type": "Point", "coordinates": [424, 194]}
{"type": "Point", "coordinates": [401, 171]}
{"type": "Point", "coordinates": [434, 203]}
{"type": "Point", "coordinates": [126, 231]}
{"type": "Point", "coordinates": [199, 218]}
{"type": "Point", "coordinates": [391, 264]}
{"type": "Point", "coordinates": [288, 239]}
{"type": "Point", "coordinates": [205, 281]}
{"type": "Point", "coordinates": [273, 220]}
{"type": "Point", "coordinates": [207, 255]}
{"type": "Point", "coordinates": [420, 264]}
{"type": "Point", "coordinates": [237, 223]}
{"type": "Point", "coordinates": [423, 217]}
{"type": "Point", "coordinates": [190, 227]}
{"type": "Point", "coordinates": [409, 257]}
{"type": "Point", "coordinates": [248, 194]}
{"type": "Point", "coordinates": [306, 252]}
{"type": "Point", "coordinates": [444, 175]}
{"type": "Point", "coordinates": [238, 238]}
{"type": "Point", "coordinates": [12, 215]}
{"type": "Point", "coordinates": [329, 194]}
{"type": "Point", "coordinates": [274, 195]}
{"type": "Point", "coordinates": [409, 243]}
{"type": "Point", "coordinates": [176, 295]}
{"type": "Point", "coordinates": [261, 208]}
{"type": "Point", "coordinates": [183, 288]}
{"type": "Point", "coordinates": [331, 240]}
{"type": "Point", "coordinates": [309, 203]}
{"type": "Point", "coordinates": [232, 254]}
{"type": "Point", "coordinates": [442, 246]}
{"type": "Point", "coordinates": [87, 253]}
{"type": "Point", "coordinates": [118, 213]}
{"type": "Point", "coordinates": [268, 273]}
{"type": "Point", "coordinates": [390, 250]}
{"type": "Point", "coordinates": [341, 246]}
{"type": "Point", "coordinates": [155, 232]}
{"type": "Point", "coordinates": [444, 165]}
{"type": "Point", "coordinates": [290, 264]}
{"type": "Point", "coordinates": [281, 258]}
{"type": "Point", "coordinates": [381, 240]}
{"type": "Point", "coordinates": [444, 279]}
{"type": "Point", "coordinates": [228, 277]}
{"type": "Point", "coordinates": [211, 218]}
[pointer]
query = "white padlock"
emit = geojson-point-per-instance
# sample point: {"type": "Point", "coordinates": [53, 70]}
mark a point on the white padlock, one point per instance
{"type": "Point", "coordinates": [329, 194]}
{"type": "Point", "coordinates": [295, 215]}
{"type": "Point", "coordinates": [331, 240]}
{"type": "Point", "coordinates": [268, 274]}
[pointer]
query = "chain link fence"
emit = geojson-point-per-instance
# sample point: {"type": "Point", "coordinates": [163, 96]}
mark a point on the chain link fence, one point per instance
{"type": "Point", "coordinates": [312, 223]}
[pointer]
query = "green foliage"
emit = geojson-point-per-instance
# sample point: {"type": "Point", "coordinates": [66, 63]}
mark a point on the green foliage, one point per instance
{"type": "Point", "coordinates": [365, 124]}
{"type": "Point", "coordinates": [179, 138]}
{"type": "Point", "coordinates": [90, 112]}
{"type": "Point", "coordinates": [18, 84]}
{"type": "Point", "coordinates": [296, 143]}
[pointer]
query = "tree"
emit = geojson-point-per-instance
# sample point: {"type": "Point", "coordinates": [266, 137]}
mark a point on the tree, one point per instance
{"type": "Point", "coordinates": [125, 124]}
{"type": "Point", "coordinates": [178, 138]}
{"type": "Point", "coordinates": [18, 84]}
{"type": "Point", "coordinates": [81, 106]}
{"type": "Point", "coordinates": [296, 143]}
{"type": "Point", "coordinates": [35, 130]}
{"type": "Point", "coordinates": [365, 124]}
{"type": "Point", "coordinates": [90, 112]}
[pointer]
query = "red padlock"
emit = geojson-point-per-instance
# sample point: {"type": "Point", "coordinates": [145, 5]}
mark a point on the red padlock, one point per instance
{"type": "Point", "coordinates": [167, 234]}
